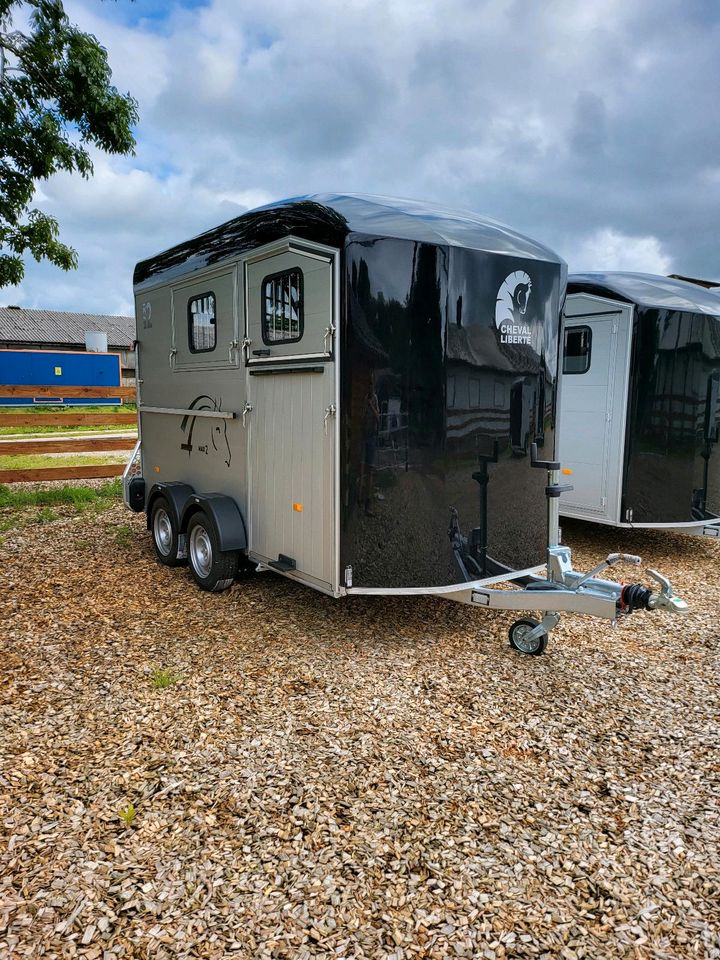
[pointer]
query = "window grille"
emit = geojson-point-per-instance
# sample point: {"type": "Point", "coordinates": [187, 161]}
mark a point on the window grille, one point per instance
{"type": "Point", "coordinates": [282, 320]}
{"type": "Point", "coordinates": [201, 319]}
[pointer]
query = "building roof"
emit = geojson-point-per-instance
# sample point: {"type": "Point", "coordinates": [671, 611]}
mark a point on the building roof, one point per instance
{"type": "Point", "coordinates": [18, 325]}
{"type": "Point", "coordinates": [333, 217]}
{"type": "Point", "coordinates": [648, 290]}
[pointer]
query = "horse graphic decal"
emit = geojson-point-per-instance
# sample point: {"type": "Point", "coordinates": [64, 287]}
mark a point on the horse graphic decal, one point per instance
{"type": "Point", "coordinates": [205, 435]}
{"type": "Point", "coordinates": [510, 307]}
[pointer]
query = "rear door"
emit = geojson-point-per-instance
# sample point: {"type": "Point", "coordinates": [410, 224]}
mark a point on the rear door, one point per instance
{"type": "Point", "coordinates": [291, 294]}
{"type": "Point", "coordinates": [593, 403]}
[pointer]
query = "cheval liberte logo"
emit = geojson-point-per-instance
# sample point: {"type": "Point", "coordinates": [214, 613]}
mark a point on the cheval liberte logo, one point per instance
{"type": "Point", "coordinates": [510, 306]}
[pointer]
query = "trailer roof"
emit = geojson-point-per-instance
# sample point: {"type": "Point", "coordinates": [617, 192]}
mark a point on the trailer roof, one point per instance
{"type": "Point", "coordinates": [331, 217]}
{"type": "Point", "coordinates": [648, 290]}
{"type": "Point", "coordinates": [426, 222]}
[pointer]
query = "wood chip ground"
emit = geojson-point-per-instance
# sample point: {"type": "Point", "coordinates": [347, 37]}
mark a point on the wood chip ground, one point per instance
{"type": "Point", "coordinates": [368, 778]}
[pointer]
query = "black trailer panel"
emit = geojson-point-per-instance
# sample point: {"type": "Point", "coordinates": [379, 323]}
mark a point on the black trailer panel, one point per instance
{"type": "Point", "coordinates": [671, 460]}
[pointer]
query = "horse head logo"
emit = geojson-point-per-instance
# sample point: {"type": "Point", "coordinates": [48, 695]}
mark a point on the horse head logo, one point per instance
{"type": "Point", "coordinates": [205, 435]}
{"type": "Point", "coordinates": [512, 299]}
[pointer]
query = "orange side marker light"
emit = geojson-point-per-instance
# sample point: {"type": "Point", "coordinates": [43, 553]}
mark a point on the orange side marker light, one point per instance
{"type": "Point", "coordinates": [567, 471]}
{"type": "Point", "coordinates": [298, 507]}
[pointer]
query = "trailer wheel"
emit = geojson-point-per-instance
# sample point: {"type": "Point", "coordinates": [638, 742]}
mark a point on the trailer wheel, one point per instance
{"type": "Point", "coordinates": [165, 534]}
{"type": "Point", "coordinates": [213, 568]}
{"type": "Point", "coordinates": [518, 633]}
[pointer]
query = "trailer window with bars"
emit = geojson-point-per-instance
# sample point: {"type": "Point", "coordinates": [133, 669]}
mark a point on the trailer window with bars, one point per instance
{"type": "Point", "coordinates": [282, 295]}
{"type": "Point", "coordinates": [201, 321]}
{"type": "Point", "coordinates": [578, 347]}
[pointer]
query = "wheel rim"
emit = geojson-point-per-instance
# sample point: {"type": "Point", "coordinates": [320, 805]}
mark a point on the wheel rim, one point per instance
{"type": "Point", "coordinates": [201, 551]}
{"type": "Point", "coordinates": [520, 638]}
{"type": "Point", "coordinates": [163, 532]}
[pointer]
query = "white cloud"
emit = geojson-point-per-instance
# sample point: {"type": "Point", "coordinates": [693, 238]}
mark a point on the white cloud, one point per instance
{"type": "Point", "coordinates": [587, 127]}
{"type": "Point", "coordinates": [608, 249]}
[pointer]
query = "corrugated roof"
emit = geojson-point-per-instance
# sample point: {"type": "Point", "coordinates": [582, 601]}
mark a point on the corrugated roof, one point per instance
{"type": "Point", "coordinates": [18, 325]}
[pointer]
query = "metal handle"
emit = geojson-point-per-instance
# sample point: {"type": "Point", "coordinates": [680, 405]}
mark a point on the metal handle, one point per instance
{"type": "Point", "coordinates": [330, 411]}
{"type": "Point", "coordinates": [609, 561]}
{"type": "Point", "coordinates": [246, 410]}
{"type": "Point", "coordinates": [329, 333]}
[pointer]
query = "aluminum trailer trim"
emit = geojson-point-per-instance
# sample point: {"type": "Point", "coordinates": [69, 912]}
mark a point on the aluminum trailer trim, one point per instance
{"type": "Point", "coordinates": [450, 588]}
{"type": "Point", "coordinates": [221, 414]}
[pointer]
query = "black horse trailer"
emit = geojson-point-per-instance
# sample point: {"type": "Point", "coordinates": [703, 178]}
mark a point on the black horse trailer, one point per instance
{"type": "Point", "coordinates": [334, 387]}
{"type": "Point", "coordinates": [640, 402]}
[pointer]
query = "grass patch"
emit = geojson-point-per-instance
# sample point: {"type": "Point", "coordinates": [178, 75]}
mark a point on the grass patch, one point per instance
{"type": "Point", "coordinates": [46, 515]}
{"type": "Point", "coordinates": [123, 535]}
{"type": "Point", "coordinates": [73, 495]}
{"type": "Point", "coordinates": [32, 461]}
{"type": "Point", "coordinates": [127, 814]}
{"type": "Point", "coordinates": [163, 677]}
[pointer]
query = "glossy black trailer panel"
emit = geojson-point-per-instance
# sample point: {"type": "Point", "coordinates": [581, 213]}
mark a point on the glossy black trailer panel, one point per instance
{"type": "Point", "coordinates": [460, 349]}
{"type": "Point", "coordinates": [672, 457]}
{"type": "Point", "coordinates": [671, 469]}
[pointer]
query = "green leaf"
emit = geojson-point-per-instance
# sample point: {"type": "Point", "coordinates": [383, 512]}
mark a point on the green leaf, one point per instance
{"type": "Point", "coordinates": [56, 100]}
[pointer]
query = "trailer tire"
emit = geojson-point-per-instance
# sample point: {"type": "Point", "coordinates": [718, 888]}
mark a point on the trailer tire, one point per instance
{"type": "Point", "coordinates": [519, 630]}
{"type": "Point", "coordinates": [212, 568]}
{"type": "Point", "coordinates": [165, 534]}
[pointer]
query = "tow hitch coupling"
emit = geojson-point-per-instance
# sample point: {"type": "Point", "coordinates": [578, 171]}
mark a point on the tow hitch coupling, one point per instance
{"type": "Point", "coordinates": [636, 596]}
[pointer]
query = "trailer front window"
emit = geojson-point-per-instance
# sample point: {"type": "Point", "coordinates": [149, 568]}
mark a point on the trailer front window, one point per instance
{"type": "Point", "coordinates": [201, 322]}
{"type": "Point", "coordinates": [282, 320]}
{"type": "Point", "coordinates": [578, 346]}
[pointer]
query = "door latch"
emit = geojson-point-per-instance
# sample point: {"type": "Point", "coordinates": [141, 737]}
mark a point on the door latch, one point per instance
{"type": "Point", "coordinates": [245, 345]}
{"type": "Point", "coordinates": [246, 410]}
{"type": "Point", "coordinates": [330, 411]}
{"type": "Point", "coordinates": [329, 334]}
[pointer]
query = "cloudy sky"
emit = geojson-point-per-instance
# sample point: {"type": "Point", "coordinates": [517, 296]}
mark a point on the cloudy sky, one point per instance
{"type": "Point", "coordinates": [592, 127]}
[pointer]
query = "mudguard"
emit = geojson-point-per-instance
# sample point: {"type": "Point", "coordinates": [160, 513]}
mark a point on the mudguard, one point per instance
{"type": "Point", "coordinates": [177, 495]}
{"type": "Point", "coordinates": [223, 513]}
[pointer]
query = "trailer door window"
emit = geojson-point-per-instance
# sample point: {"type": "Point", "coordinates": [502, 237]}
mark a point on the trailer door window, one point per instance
{"type": "Point", "coordinates": [201, 323]}
{"type": "Point", "coordinates": [578, 347]}
{"type": "Point", "coordinates": [282, 306]}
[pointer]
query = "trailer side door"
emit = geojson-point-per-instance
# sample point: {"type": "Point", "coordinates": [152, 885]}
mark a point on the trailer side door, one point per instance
{"type": "Point", "coordinates": [593, 404]}
{"type": "Point", "coordinates": [291, 295]}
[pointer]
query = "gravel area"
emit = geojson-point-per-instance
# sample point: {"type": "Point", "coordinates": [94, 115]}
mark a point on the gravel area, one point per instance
{"type": "Point", "coordinates": [302, 777]}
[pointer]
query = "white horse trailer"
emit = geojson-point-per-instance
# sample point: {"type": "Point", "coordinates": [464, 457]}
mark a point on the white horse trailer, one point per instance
{"type": "Point", "coordinates": [640, 402]}
{"type": "Point", "coordinates": [330, 384]}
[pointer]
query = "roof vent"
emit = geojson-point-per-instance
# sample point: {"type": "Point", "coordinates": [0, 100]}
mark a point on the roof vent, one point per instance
{"type": "Point", "coordinates": [12, 306]}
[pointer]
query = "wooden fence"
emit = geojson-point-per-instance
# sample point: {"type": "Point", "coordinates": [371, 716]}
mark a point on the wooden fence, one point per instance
{"type": "Point", "coordinates": [15, 445]}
